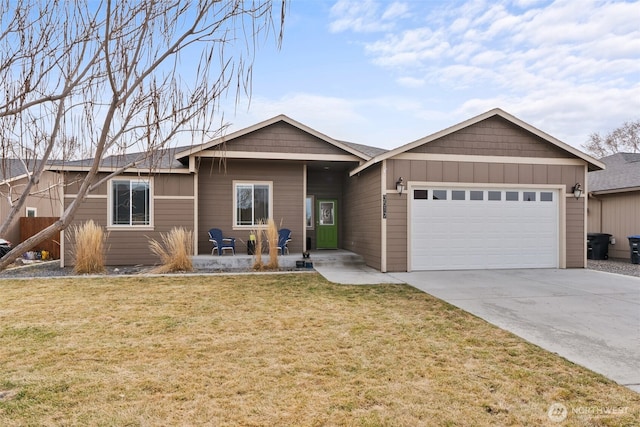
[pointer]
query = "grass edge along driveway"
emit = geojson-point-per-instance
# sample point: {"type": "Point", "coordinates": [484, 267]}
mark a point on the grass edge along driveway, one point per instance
{"type": "Point", "coordinates": [275, 350]}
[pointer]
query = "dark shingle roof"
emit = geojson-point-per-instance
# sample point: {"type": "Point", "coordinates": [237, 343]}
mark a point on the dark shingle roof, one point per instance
{"type": "Point", "coordinates": [12, 168]}
{"type": "Point", "coordinates": [365, 149]}
{"type": "Point", "coordinates": [623, 171]}
{"type": "Point", "coordinates": [159, 159]}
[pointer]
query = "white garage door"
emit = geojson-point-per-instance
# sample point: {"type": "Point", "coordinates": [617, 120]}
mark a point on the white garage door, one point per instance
{"type": "Point", "coordinates": [475, 228]}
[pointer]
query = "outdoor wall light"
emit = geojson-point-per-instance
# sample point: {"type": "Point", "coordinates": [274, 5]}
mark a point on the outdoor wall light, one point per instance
{"type": "Point", "coordinates": [577, 190]}
{"type": "Point", "coordinates": [400, 185]}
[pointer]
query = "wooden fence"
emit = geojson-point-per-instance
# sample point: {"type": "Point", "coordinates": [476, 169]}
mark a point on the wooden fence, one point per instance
{"type": "Point", "coordinates": [29, 226]}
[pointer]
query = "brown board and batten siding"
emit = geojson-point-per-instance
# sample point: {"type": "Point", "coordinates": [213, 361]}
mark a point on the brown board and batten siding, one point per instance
{"type": "Point", "coordinates": [362, 224]}
{"type": "Point", "coordinates": [215, 198]}
{"type": "Point", "coordinates": [173, 206]}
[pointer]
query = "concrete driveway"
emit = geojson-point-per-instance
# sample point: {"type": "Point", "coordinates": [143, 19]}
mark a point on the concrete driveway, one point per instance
{"type": "Point", "coordinates": [589, 317]}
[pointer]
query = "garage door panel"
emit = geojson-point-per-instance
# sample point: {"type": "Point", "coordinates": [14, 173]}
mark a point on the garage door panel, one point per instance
{"type": "Point", "coordinates": [477, 234]}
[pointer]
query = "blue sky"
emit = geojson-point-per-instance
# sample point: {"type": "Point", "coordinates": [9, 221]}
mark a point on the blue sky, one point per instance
{"type": "Point", "coordinates": [385, 73]}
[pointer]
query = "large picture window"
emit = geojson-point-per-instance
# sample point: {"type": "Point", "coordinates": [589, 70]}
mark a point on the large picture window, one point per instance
{"type": "Point", "coordinates": [130, 202]}
{"type": "Point", "coordinates": [252, 203]}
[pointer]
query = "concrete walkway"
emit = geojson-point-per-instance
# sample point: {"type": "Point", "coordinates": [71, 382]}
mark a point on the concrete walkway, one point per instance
{"type": "Point", "coordinates": [589, 317]}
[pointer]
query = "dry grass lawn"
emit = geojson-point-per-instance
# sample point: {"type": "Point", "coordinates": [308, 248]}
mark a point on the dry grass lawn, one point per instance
{"type": "Point", "coordinates": [274, 350]}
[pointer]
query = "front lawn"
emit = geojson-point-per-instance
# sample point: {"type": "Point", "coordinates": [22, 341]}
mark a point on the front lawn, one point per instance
{"type": "Point", "coordinates": [287, 349]}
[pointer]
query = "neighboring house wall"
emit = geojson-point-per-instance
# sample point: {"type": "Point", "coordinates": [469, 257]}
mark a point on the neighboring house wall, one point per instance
{"type": "Point", "coordinates": [173, 204]}
{"type": "Point", "coordinates": [45, 198]}
{"type": "Point", "coordinates": [215, 198]}
{"type": "Point", "coordinates": [363, 223]}
{"type": "Point", "coordinates": [617, 214]}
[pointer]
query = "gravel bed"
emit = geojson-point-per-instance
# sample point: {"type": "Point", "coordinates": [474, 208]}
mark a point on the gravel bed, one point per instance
{"type": "Point", "coordinates": [619, 266]}
{"type": "Point", "coordinates": [52, 269]}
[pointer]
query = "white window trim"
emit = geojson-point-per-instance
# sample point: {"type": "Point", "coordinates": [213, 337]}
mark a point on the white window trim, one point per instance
{"type": "Point", "coordinates": [30, 209]}
{"type": "Point", "coordinates": [110, 225]}
{"type": "Point", "coordinates": [235, 183]}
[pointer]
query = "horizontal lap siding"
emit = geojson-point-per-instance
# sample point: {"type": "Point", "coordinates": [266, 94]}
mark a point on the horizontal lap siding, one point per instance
{"type": "Point", "coordinates": [576, 238]}
{"type": "Point", "coordinates": [363, 221]}
{"type": "Point", "coordinates": [215, 198]}
{"type": "Point", "coordinates": [396, 230]}
{"type": "Point", "coordinates": [173, 206]}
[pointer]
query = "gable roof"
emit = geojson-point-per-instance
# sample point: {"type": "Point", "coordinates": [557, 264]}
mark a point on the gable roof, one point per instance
{"type": "Point", "coordinates": [622, 174]}
{"type": "Point", "coordinates": [358, 150]}
{"type": "Point", "coordinates": [593, 163]}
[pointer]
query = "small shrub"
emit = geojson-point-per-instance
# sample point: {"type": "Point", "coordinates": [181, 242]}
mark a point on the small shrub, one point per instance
{"type": "Point", "coordinates": [89, 245]}
{"type": "Point", "coordinates": [174, 251]}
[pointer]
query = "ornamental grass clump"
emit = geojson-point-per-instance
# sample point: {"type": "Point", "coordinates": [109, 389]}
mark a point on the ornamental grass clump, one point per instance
{"type": "Point", "coordinates": [175, 251]}
{"type": "Point", "coordinates": [89, 242]}
{"type": "Point", "coordinates": [271, 234]}
{"type": "Point", "coordinates": [258, 264]}
{"type": "Point", "coordinates": [272, 238]}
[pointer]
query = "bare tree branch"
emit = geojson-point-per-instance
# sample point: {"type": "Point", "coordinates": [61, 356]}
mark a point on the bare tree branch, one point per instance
{"type": "Point", "coordinates": [107, 77]}
{"type": "Point", "coordinates": [625, 138]}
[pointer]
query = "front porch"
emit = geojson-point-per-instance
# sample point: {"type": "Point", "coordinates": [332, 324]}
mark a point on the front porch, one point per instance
{"type": "Point", "coordinates": [337, 257]}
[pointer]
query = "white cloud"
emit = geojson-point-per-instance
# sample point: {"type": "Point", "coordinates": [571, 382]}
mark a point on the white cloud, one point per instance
{"type": "Point", "coordinates": [365, 16]}
{"type": "Point", "coordinates": [410, 82]}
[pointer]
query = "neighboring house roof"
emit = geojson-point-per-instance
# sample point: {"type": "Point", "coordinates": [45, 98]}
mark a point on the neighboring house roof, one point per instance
{"type": "Point", "coordinates": [358, 150]}
{"type": "Point", "coordinates": [622, 174]}
{"type": "Point", "coordinates": [593, 163]}
{"type": "Point", "coordinates": [11, 169]}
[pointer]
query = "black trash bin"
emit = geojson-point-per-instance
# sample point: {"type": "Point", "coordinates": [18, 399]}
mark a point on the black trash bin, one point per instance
{"type": "Point", "coordinates": [634, 249]}
{"type": "Point", "coordinates": [598, 245]}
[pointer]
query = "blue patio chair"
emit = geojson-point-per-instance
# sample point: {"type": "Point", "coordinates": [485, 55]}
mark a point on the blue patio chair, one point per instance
{"type": "Point", "coordinates": [284, 237]}
{"type": "Point", "coordinates": [220, 243]}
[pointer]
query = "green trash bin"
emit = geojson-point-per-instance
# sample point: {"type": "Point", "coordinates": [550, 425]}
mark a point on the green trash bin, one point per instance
{"type": "Point", "coordinates": [634, 249]}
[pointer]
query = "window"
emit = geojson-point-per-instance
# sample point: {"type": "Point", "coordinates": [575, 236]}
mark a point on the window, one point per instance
{"type": "Point", "coordinates": [32, 212]}
{"type": "Point", "coordinates": [420, 194]}
{"type": "Point", "coordinates": [495, 195]}
{"type": "Point", "coordinates": [476, 195]}
{"type": "Point", "coordinates": [546, 197]}
{"type": "Point", "coordinates": [458, 194]}
{"type": "Point", "coordinates": [511, 196]}
{"type": "Point", "coordinates": [309, 212]}
{"type": "Point", "coordinates": [529, 196]}
{"type": "Point", "coordinates": [439, 194]}
{"type": "Point", "coordinates": [252, 203]}
{"type": "Point", "coordinates": [130, 202]}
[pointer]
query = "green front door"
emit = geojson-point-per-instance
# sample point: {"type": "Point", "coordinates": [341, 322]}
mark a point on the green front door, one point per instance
{"type": "Point", "coordinates": [327, 224]}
